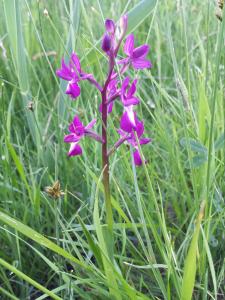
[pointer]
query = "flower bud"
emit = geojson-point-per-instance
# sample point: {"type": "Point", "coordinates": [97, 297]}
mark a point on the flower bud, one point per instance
{"type": "Point", "coordinates": [123, 25]}
{"type": "Point", "coordinates": [110, 26]}
{"type": "Point", "coordinates": [106, 43]}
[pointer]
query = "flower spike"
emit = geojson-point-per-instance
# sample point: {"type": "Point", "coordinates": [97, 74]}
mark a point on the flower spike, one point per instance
{"type": "Point", "coordinates": [131, 129]}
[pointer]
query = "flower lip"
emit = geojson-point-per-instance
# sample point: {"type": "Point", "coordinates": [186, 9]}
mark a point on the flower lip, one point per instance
{"type": "Point", "coordinates": [73, 89]}
{"type": "Point", "coordinates": [127, 122]}
{"type": "Point", "coordinates": [137, 158]}
{"type": "Point", "coordinates": [75, 149]}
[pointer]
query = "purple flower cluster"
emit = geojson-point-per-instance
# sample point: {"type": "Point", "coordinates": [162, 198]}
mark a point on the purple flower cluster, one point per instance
{"type": "Point", "coordinates": [117, 86]}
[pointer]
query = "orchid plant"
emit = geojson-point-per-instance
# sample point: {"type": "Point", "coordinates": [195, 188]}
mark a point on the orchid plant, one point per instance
{"type": "Point", "coordinates": [131, 128]}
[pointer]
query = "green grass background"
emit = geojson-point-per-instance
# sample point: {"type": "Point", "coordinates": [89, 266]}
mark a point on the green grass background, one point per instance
{"type": "Point", "coordinates": [160, 250]}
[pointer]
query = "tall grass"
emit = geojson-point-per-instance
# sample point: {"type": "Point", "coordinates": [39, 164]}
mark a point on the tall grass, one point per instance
{"type": "Point", "coordinates": [166, 246]}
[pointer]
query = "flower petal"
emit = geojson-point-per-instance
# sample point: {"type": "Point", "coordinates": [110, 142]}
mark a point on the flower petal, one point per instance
{"type": "Point", "coordinates": [125, 85]}
{"type": "Point", "coordinates": [71, 138]}
{"type": "Point", "coordinates": [75, 149]}
{"type": "Point", "coordinates": [141, 51]}
{"type": "Point", "coordinates": [106, 43]}
{"type": "Point", "coordinates": [132, 89]}
{"type": "Point", "coordinates": [121, 132]}
{"type": "Point", "coordinates": [64, 72]}
{"type": "Point", "coordinates": [129, 45]}
{"type": "Point", "coordinates": [76, 62]}
{"type": "Point", "coordinates": [137, 158]}
{"type": "Point", "coordinates": [141, 63]}
{"type": "Point", "coordinates": [139, 127]}
{"type": "Point", "coordinates": [131, 101]}
{"type": "Point", "coordinates": [84, 76]}
{"type": "Point", "coordinates": [76, 126]}
{"type": "Point", "coordinates": [113, 76]}
{"type": "Point", "coordinates": [90, 125]}
{"type": "Point", "coordinates": [131, 115]}
{"type": "Point", "coordinates": [127, 122]}
{"type": "Point", "coordinates": [144, 141]}
{"type": "Point", "coordinates": [123, 25]}
{"type": "Point", "coordinates": [110, 26]}
{"type": "Point", "coordinates": [110, 107]}
{"type": "Point", "coordinates": [77, 122]}
{"type": "Point", "coordinates": [123, 61]}
{"type": "Point", "coordinates": [73, 90]}
{"type": "Point", "coordinates": [112, 85]}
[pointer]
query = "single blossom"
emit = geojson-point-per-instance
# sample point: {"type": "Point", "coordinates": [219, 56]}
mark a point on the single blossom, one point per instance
{"type": "Point", "coordinates": [127, 92]}
{"type": "Point", "coordinates": [73, 74]}
{"type": "Point", "coordinates": [77, 131]}
{"type": "Point", "coordinates": [128, 99]}
{"type": "Point", "coordinates": [112, 92]}
{"type": "Point", "coordinates": [134, 138]}
{"type": "Point", "coordinates": [135, 56]}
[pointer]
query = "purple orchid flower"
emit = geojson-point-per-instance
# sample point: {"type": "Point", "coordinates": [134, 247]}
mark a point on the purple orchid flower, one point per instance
{"type": "Point", "coordinates": [74, 74]}
{"type": "Point", "coordinates": [133, 141]}
{"type": "Point", "coordinates": [77, 131]}
{"type": "Point", "coordinates": [128, 91]}
{"type": "Point", "coordinates": [136, 56]}
{"type": "Point", "coordinates": [112, 92]}
{"type": "Point", "coordinates": [128, 99]}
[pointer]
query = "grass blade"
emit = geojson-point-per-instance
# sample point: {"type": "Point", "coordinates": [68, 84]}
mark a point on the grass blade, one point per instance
{"type": "Point", "coordinates": [14, 29]}
{"type": "Point", "coordinates": [139, 13]}
{"type": "Point", "coordinates": [29, 280]}
{"type": "Point", "coordinates": [40, 239]}
{"type": "Point", "coordinates": [190, 262]}
{"type": "Point", "coordinates": [10, 296]}
{"type": "Point", "coordinates": [19, 167]}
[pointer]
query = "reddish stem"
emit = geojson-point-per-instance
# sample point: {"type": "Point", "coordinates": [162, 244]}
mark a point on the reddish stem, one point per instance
{"type": "Point", "coordinates": [105, 158]}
